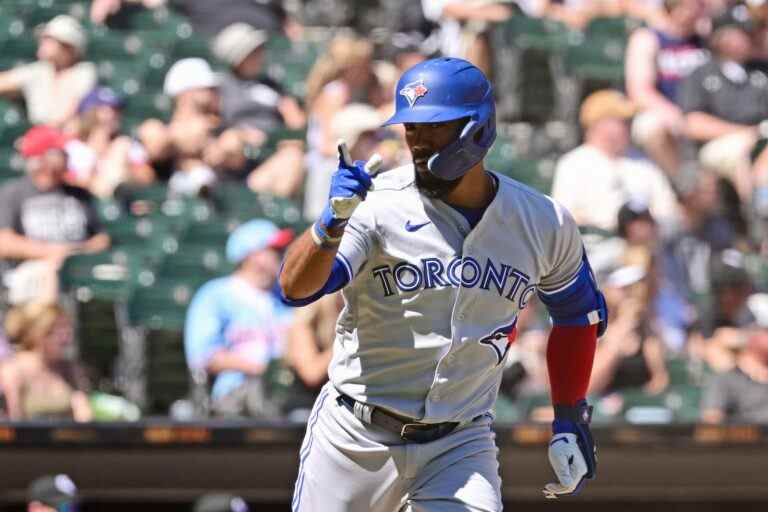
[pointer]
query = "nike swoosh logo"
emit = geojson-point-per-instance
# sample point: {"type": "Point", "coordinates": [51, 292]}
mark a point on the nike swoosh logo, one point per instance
{"type": "Point", "coordinates": [559, 439]}
{"type": "Point", "coordinates": [415, 227]}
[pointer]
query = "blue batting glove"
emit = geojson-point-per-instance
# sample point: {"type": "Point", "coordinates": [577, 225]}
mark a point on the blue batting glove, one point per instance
{"type": "Point", "coordinates": [349, 186]}
{"type": "Point", "coordinates": [572, 451]}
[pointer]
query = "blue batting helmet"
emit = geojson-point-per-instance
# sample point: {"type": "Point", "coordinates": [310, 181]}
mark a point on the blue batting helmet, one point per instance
{"type": "Point", "coordinates": [446, 89]}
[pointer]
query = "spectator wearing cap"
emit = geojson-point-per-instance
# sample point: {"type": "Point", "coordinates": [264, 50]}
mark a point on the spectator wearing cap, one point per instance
{"type": "Point", "coordinates": [658, 58]}
{"type": "Point", "coordinates": [595, 179]}
{"type": "Point", "coordinates": [53, 86]}
{"type": "Point", "coordinates": [52, 493]}
{"type": "Point", "coordinates": [41, 217]}
{"type": "Point", "coordinates": [725, 103]}
{"type": "Point", "coordinates": [740, 394]}
{"type": "Point", "coordinates": [258, 108]}
{"type": "Point", "coordinates": [99, 157]}
{"type": "Point", "coordinates": [236, 324]}
{"type": "Point", "coordinates": [220, 502]}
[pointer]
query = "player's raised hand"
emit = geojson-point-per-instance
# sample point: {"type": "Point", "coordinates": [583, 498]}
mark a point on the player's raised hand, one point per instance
{"type": "Point", "coordinates": [350, 183]}
{"type": "Point", "coordinates": [349, 186]}
{"type": "Point", "coordinates": [572, 452]}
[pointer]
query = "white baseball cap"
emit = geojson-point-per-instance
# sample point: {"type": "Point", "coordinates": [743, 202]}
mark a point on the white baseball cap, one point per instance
{"type": "Point", "coordinates": [67, 30]}
{"type": "Point", "coordinates": [354, 120]}
{"type": "Point", "coordinates": [236, 42]}
{"type": "Point", "coordinates": [187, 74]}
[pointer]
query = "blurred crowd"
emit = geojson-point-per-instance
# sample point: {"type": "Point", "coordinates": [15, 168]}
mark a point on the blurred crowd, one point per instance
{"type": "Point", "coordinates": [667, 175]}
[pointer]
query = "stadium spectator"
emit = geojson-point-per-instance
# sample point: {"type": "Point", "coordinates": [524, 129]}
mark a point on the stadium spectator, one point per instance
{"type": "Point", "coordinates": [42, 218]}
{"type": "Point", "coordinates": [258, 108]}
{"type": "Point", "coordinates": [658, 58]}
{"type": "Point", "coordinates": [236, 325]}
{"type": "Point", "coordinates": [595, 179]}
{"type": "Point", "coordinates": [631, 354]}
{"type": "Point", "coordinates": [220, 502]}
{"type": "Point", "coordinates": [178, 150]}
{"type": "Point", "coordinates": [310, 347]}
{"type": "Point", "coordinates": [675, 316]}
{"type": "Point", "coordinates": [741, 393]}
{"type": "Point", "coordinates": [102, 10]}
{"type": "Point", "coordinates": [463, 25]}
{"type": "Point", "coordinates": [209, 18]}
{"type": "Point", "coordinates": [704, 230]}
{"type": "Point", "coordinates": [99, 158]}
{"type": "Point", "coordinates": [724, 103]}
{"type": "Point", "coordinates": [53, 86]}
{"type": "Point", "coordinates": [42, 380]}
{"type": "Point", "coordinates": [52, 493]}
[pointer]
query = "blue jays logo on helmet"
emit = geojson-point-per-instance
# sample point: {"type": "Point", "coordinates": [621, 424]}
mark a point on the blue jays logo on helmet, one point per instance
{"type": "Point", "coordinates": [413, 91]}
{"type": "Point", "coordinates": [501, 339]}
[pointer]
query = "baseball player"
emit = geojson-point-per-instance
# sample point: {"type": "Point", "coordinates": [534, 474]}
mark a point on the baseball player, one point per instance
{"type": "Point", "coordinates": [436, 260]}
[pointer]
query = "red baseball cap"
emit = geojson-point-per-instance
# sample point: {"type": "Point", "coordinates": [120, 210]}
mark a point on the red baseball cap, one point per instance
{"type": "Point", "coordinates": [40, 139]}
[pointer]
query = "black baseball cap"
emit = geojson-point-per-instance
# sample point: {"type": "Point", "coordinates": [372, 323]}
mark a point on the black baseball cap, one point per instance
{"type": "Point", "coordinates": [57, 491]}
{"type": "Point", "coordinates": [735, 17]}
{"type": "Point", "coordinates": [220, 502]}
{"type": "Point", "coordinates": [631, 211]}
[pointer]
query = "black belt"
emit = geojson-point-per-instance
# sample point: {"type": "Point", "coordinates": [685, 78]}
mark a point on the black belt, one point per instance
{"type": "Point", "coordinates": [408, 430]}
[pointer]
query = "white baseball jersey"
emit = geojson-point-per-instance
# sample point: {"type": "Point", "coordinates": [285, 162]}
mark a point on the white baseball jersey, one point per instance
{"type": "Point", "coordinates": [431, 301]}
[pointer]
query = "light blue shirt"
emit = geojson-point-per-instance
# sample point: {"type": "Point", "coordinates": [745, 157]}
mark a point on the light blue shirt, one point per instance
{"type": "Point", "coordinates": [230, 314]}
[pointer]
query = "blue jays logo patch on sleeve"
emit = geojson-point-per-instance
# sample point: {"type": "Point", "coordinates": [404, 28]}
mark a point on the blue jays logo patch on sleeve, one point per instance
{"type": "Point", "coordinates": [413, 91]}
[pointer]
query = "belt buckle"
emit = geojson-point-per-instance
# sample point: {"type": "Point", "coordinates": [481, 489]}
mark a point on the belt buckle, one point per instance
{"type": "Point", "coordinates": [405, 428]}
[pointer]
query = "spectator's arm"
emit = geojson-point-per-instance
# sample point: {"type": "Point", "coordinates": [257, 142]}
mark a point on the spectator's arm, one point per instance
{"type": "Point", "coordinates": [609, 351]}
{"type": "Point", "coordinates": [704, 127]}
{"type": "Point", "coordinates": [640, 73]}
{"type": "Point", "coordinates": [81, 407]}
{"type": "Point", "coordinates": [293, 115]}
{"type": "Point", "coordinates": [97, 243]}
{"type": "Point", "coordinates": [476, 11]}
{"type": "Point", "coordinates": [282, 173]}
{"type": "Point", "coordinates": [325, 108]}
{"type": "Point", "coordinates": [11, 388]}
{"type": "Point", "coordinates": [18, 247]}
{"type": "Point", "coordinates": [103, 9]}
{"type": "Point", "coordinates": [303, 355]}
{"type": "Point", "coordinates": [10, 82]}
{"type": "Point", "coordinates": [653, 352]}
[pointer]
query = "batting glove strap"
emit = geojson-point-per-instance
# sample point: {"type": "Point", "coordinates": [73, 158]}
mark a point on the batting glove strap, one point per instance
{"type": "Point", "coordinates": [575, 420]}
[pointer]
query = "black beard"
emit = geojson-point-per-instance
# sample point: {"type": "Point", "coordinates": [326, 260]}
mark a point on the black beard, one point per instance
{"type": "Point", "coordinates": [432, 186]}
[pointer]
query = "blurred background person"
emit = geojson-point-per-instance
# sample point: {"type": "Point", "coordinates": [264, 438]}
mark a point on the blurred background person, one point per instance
{"type": "Point", "coordinates": [463, 27]}
{"type": "Point", "coordinates": [658, 58]}
{"type": "Point", "coordinates": [593, 180]}
{"type": "Point", "coordinates": [308, 353]}
{"type": "Point", "coordinates": [53, 86]}
{"type": "Point", "coordinates": [259, 108]}
{"type": "Point", "coordinates": [236, 324]}
{"type": "Point", "coordinates": [42, 380]}
{"type": "Point", "coordinates": [630, 354]}
{"type": "Point", "coordinates": [52, 493]}
{"type": "Point", "coordinates": [724, 102]}
{"type": "Point", "coordinates": [740, 394]}
{"type": "Point", "coordinates": [99, 157]}
{"type": "Point", "coordinates": [42, 219]}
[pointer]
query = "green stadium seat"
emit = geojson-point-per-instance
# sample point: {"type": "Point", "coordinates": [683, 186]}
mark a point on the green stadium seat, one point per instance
{"type": "Point", "coordinates": [149, 237]}
{"type": "Point", "coordinates": [617, 27]}
{"type": "Point", "coordinates": [193, 260]}
{"type": "Point", "coordinates": [212, 233]}
{"type": "Point", "coordinates": [598, 59]}
{"type": "Point", "coordinates": [160, 312]}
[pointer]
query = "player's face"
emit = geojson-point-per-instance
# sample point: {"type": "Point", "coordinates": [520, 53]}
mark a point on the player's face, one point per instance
{"type": "Point", "coordinates": [424, 140]}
